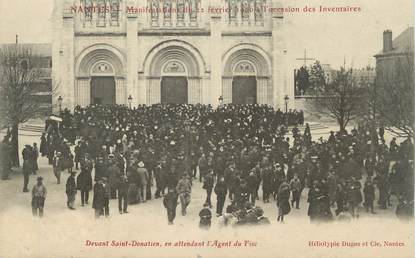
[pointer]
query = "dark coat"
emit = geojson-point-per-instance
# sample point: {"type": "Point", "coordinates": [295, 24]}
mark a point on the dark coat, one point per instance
{"type": "Point", "coordinates": [283, 199]}
{"type": "Point", "coordinates": [84, 180]}
{"type": "Point", "coordinates": [170, 201]}
{"type": "Point", "coordinates": [114, 175]}
{"type": "Point", "coordinates": [100, 170]}
{"type": "Point", "coordinates": [369, 192]}
{"type": "Point", "coordinates": [208, 182]}
{"type": "Point", "coordinates": [99, 199]}
{"type": "Point", "coordinates": [317, 204]}
{"type": "Point", "coordinates": [70, 185]}
{"type": "Point", "coordinates": [221, 189]}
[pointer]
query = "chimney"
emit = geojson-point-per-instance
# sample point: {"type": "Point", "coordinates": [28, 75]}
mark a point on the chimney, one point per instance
{"type": "Point", "coordinates": [387, 41]}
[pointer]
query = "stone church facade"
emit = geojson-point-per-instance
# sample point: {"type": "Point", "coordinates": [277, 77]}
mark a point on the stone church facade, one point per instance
{"type": "Point", "coordinates": [136, 52]}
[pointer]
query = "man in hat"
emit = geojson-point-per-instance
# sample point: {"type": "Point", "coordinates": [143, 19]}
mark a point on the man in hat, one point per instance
{"type": "Point", "coordinates": [183, 189]}
{"type": "Point", "coordinates": [107, 196]}
{"type": "Point", "coordinates": [221, 191]}
{"type": "Point", "coordinates": [58, 166]}
{"type": "Point", "coordinates": [208, 183]}
{"type": "Point", "coordinates": [71, 190]}
{"type": "Point", "coordinates": [283, 197]}
{"type": "Point", "coordinates": [170, 203]}
{"type": "Point", "coordinates": [39, 193]}
{"type": "Point", "coordinates": [123, 194]}
{"type": "Point", "coordinates": [143, 181]}
{"type": "Point", "coordinates": [114, 175]}
{"type": "Point", "coordinates": [28, 167]}
{"type": "Point", "coordinates": [295, 186]}
{"type": "Point", "coordinates": [369, 195]}
{"type": "Point", "coordinates": [99, 198]}
{"type": "Point", "coordinates": [35, 156]}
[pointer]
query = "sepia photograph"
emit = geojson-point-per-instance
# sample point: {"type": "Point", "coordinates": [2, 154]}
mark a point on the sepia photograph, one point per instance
{"type": "Point", "coordinates": [207, 128]}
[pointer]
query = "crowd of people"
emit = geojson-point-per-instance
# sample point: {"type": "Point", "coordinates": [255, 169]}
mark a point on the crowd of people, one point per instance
{"type": "Point", "coordinates": [236, 151]}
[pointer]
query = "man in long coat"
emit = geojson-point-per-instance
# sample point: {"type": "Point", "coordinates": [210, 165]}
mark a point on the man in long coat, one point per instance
{"type": "Point", "coordinates": [28, 166]}
{"type": "Point", "coordinates": [144, 181]}
{"type": "Point", "coordinates": [71, 190]}
{"type": "Point", "coordinates": [183, 189]}
{"type": "Point", "coordinates": [39, 193]}
{"type": "Point", "coordinates": [99, 198]}
{"type": "Point", "coordinates": [170, 203]}
{"type": "Point", "coordinates": [84, 179]}
{"type": "Point", "coordinates": [283, 203]}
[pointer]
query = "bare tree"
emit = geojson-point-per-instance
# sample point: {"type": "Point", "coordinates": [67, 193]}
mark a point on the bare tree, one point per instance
{"type": "Point", "coordinates": [343, 98]}
{"type": "Point", "coordinates": [392, 97]}
{"type": "Point", "coordinates": [19, 73]}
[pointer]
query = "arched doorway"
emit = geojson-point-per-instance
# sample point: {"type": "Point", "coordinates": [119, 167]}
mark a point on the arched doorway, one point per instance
{"type": "Point", "coordinates": [173, 70]}
{"type": "Point", "coordinates": [102, 84]}
{"type": "Point", "coordinates": [246, 78]}
{"type": "Point", "coordinates": [100, 76]}
{"type": "Point", "coordinates": [244, 88]}
{"type": "Point", "coordinates": [174, 88]}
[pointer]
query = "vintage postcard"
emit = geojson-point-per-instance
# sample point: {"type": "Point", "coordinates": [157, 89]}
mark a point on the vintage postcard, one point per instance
{"type": "Point", "coordinates": [206, 128]}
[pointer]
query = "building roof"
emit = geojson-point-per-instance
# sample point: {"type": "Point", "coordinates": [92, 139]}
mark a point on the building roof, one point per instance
{"type": "Point", "coordinates": [401, 44]}
{"type": "Point", "coordinates": [39, 49]}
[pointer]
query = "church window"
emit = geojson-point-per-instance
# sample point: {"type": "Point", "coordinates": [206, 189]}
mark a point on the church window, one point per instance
{"type": "Point", "coordinates": [259, 11]}
{"type": "Point", "coordinates": [167, 12]}
{"type": "Point", "coordinates": [154, 10]}
{"type": "Point", "coordinates": [102, 10]}
{"type": "Point", "coordinates": [115, 12]}
{"type": "Point", "coordinates": [87, 10]}
{"type": "Point", "coordinates": [180, 12]}
{"type": "Point", "coordinates": [245, 10]}
{"type": "Point", "coordinates": [233, 10]}
{"type": "Point", "coordinates": [193, 9]}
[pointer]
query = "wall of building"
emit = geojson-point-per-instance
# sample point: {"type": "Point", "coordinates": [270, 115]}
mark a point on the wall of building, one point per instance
{"type": "Point", "coordinates": [134, 39]}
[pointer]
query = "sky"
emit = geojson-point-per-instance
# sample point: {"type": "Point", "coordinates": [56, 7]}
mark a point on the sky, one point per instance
{"type": "Point", "coordinates": [328, 37]}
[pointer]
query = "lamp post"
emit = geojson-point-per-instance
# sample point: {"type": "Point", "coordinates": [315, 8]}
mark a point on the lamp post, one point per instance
{"type": "Point", "coordinates": [220, 100]}
{"type": "Point", "coordinates": [286, 98]}
{"type": "Point", "coordinates": [60, 99]}
{"type": "Point", "coordinates": [130, 100]}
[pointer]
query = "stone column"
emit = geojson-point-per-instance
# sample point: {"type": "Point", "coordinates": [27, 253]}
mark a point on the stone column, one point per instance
{"type": "Point", "coordinates": [215, 53]}
{"type": "Point", "coordinates": [83, 91]}
{"type": "Point", "coordinates": [132, 61]}
{"type": "Point", "coordinates": [153, 90]}
{"type": "Point", "coordinates": [194, 90]}
{"type": "Point", "coordinates": [278, 62]}
{"type": "Point", "coordinates": [227, 89]}
{"type": "Point", "coordinates": [120, 91]}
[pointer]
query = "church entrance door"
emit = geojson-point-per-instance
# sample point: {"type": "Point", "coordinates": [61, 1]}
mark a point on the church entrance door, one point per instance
{"type": "Point", "coordinates": [244, 90]}
{"type": "Point", "coordinates": [174, 89]}
{"type": "Point", "coordinates": [103, 90]}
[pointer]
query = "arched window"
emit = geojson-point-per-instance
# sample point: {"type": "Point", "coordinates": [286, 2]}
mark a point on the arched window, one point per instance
{"type": "Point", "coordinates": [245, 10]}
{"type": "Point", "coordinates": [233, 10]}
{"type": "Point", "coordinates": [102, 11]}
{"type": "Point", "coordinates": [259, 11]}
{"type": "Point", "coordinates": [180, 6]}
{"type": "Point", "coordinates": [154, 10]}
{"type": "Point", "coordinates": [193, 9]}
{"type": "Point", "coordinates": [167, 13]}
{"type": "Point", "coordinates": [115, 12]}
{"type": "Point", "coordinates": [87, 6]}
